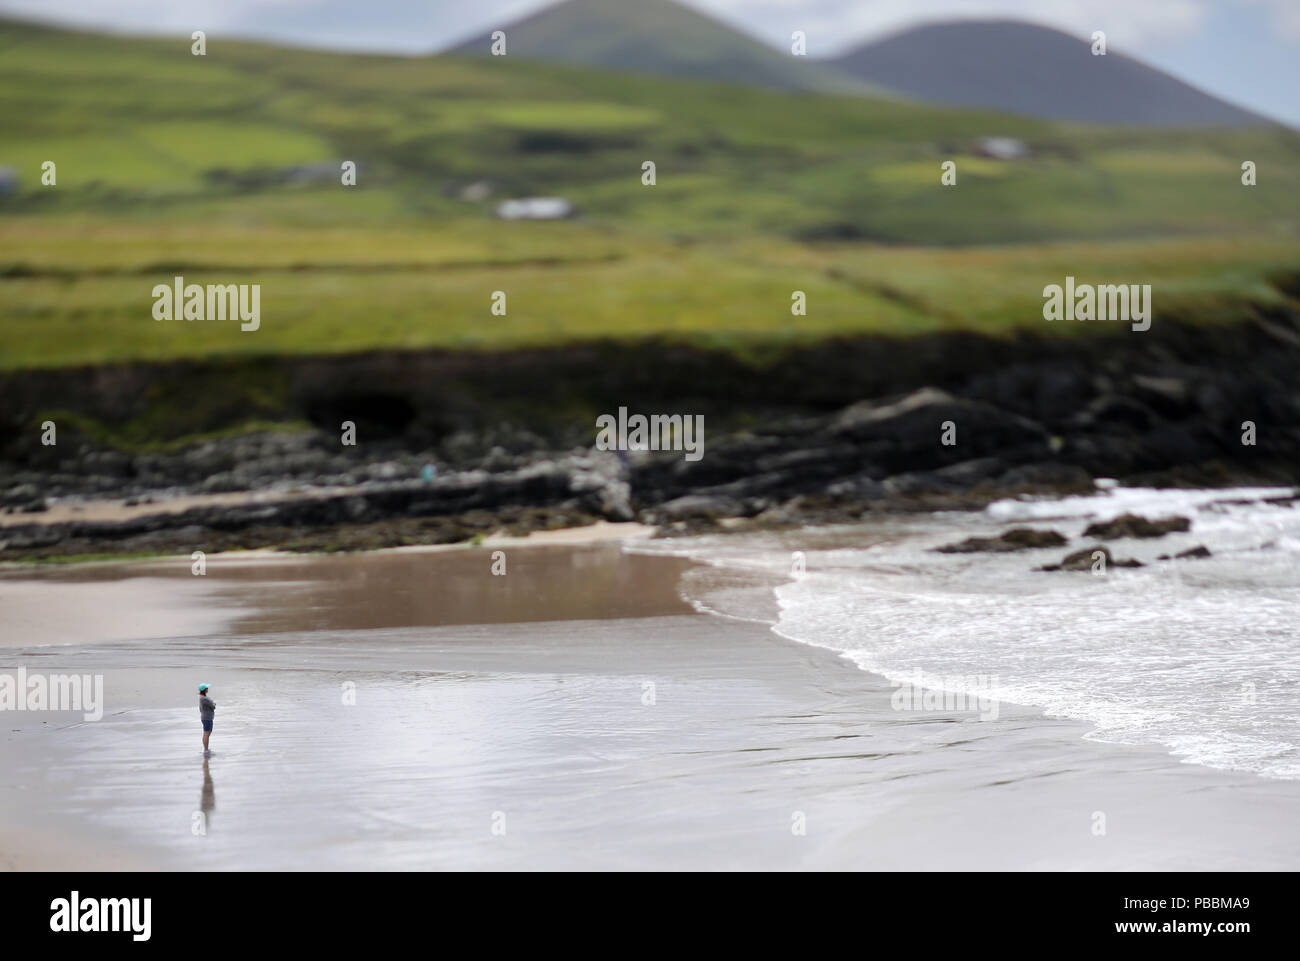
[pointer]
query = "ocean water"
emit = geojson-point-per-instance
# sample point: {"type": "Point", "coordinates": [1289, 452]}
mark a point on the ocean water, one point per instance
{"type": "Point", "coordinates": [1200, 656]}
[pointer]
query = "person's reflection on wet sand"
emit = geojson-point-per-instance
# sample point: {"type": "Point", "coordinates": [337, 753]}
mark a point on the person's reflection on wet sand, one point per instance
{"type": "Point", "coordinates": [208, 799]}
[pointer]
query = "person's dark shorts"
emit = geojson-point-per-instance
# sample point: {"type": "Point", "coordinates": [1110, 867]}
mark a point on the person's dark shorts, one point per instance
{"type": "Point", "coordinates": [207, 724]}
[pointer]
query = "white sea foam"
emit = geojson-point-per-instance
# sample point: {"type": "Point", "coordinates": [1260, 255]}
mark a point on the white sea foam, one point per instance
{"type": "Point", "coordinates": [1201, 656]}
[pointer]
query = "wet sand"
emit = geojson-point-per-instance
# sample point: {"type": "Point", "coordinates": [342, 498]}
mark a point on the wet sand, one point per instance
{"type": "Point", "coordinates": [571, 714]}
{"type": "Point", "coordinates": [255, 591]}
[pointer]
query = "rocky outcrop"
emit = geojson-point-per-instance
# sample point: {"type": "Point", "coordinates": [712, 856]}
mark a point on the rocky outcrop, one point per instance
{"type": "Point", "coordinates": [1086, 560]}
{"type": "Point", "coordinates": [1134, 525]}
{"type": "Point", "coordinates": [1016, 539]}
{"type": "Point", "coordinates": [582, 488]}
{"type": "Point", "coordinates": [822, 433]}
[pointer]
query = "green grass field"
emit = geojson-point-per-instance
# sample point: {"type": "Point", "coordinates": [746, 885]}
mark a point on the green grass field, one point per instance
{"type": "Point", "coordinates": [170, 163]}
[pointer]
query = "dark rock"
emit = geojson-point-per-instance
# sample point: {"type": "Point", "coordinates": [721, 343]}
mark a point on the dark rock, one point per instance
{"type": "Point", "coordinates": [953, 479]}
{"type": "Point", "coordinates": [1171, 396]}
{"type": "Point", "coordinates": [919, 482]}
{"type": "Point", "coordinates": [21, 494]}
{"type": "Point", "coordinates": [1112, 411]}
{"type": "Point", "coordinates": [862, 487]}
{"type": "Point", "coordinates": [1047, 391]}
{"type": "Point", "coordinates": [700, 506]}
{"type": "Point", "coordinates": [1016, 539]}
{"type": "Point", "coordinates": [1134, 525]}
{"type": "Point", "coordinates": [904, 435]}
{"type": "Point", "coordinates": [1083, 560]}
{"type": "Point", "coordinates": [1044, 478]}
{"type": "Point", "coordinates": [968, 473]}
{"type": "Point", "coordinates": [1177, 444]}
{"type": "Point", "coordinates": [1200, 550]}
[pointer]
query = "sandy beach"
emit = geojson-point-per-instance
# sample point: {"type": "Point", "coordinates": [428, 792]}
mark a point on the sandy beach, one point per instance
{"type": "Point", "coordinates": [574, 713]}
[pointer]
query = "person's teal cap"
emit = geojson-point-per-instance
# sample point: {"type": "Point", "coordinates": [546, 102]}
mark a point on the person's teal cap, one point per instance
{"type": "Point", "coordinates": [202, 688]}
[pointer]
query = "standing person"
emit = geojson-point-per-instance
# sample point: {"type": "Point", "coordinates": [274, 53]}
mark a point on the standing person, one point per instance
{"type": "Point", "coordinates": [207, 711]}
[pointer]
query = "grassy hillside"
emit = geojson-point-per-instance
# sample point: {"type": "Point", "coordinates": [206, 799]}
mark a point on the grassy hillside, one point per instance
{"type": "Point", "coordinates": [343, 290]}
{"type": "Point", "coordinates": [170, 163]}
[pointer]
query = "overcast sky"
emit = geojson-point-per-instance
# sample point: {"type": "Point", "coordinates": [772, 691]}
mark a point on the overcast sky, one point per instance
{"type": "Point", "coordinates": [1246, 51]}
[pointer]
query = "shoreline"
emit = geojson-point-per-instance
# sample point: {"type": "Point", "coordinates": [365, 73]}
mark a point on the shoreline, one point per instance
{"type": "Point", "coordinates": [751, 726]}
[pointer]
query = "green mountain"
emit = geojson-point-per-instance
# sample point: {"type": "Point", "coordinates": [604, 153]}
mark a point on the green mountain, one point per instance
{"type": "Point", "coordinates": [659, 37]}
{"type": "Point", "coordinates": [1036, 71]}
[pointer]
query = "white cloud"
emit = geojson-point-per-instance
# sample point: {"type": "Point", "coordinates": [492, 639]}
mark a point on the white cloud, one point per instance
{"type": "Point", "coordinates": [154, 15]}
{"type": "Point", "coordinates": [1285, 15]}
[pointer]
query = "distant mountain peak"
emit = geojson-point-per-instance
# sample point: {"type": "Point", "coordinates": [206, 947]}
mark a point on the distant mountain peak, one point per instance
{"type": "Point", "coordinates": [1025, 68]}
{"type": "Point", "coordinates": [658, 37]}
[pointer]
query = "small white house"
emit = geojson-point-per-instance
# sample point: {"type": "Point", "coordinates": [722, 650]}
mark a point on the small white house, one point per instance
{"type": "Point", "coordinates": [535, 208]}
{"type": "Point", "coordinates": [1002, 148]}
